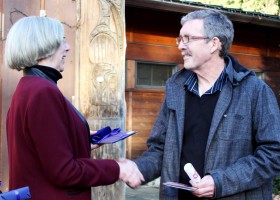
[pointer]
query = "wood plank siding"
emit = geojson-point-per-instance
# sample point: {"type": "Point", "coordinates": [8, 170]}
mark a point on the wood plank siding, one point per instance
{"type": "Point", "coordinates": [142, 110]}
{"type": "Point", "coordinates": [151, 37]}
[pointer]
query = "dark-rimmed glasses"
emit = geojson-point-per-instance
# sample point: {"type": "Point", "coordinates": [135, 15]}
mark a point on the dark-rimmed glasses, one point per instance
{"type": "Point", "coordinates": [187, 38]}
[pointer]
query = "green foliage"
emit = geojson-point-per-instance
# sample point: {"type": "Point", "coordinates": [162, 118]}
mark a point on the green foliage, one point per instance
{"type": "Point", "coordinates": [264, 6]}
{"type": "Point", "coordinates": [276, 186]}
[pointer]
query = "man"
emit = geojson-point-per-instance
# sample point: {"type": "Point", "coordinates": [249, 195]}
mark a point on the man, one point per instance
{"type": "Point", "coordinates": [216, 115]}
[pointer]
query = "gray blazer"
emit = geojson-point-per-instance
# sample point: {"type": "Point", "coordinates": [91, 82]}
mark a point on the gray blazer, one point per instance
{"type": "Point", "coordinates": [243, 147]}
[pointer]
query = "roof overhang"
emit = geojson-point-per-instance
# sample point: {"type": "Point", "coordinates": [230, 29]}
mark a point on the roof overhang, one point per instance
{"type": "Point", "coordinates": [172, 6]}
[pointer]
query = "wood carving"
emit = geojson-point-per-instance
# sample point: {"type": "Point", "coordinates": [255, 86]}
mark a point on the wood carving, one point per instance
{"type": "Point", "coordinates": [100, 89]}
{"type": "Point", "coordinates": [104, 74]}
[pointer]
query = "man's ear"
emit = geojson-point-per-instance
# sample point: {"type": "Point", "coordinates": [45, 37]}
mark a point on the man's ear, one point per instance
{"type": "Point", "coordinates": [216, 45]}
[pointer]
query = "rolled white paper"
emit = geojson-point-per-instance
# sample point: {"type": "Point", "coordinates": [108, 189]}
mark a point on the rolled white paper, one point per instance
{"type": "Point", "coordinates": [192, 173]}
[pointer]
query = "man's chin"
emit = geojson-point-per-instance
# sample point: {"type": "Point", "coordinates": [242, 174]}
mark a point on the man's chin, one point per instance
{"type": "Point", "coordinates": [188, 67]}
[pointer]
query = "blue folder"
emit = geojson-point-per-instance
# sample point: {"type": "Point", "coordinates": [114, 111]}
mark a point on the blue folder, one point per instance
{"type": "Point", "coordinates": [18, 194]}
{"type": "Point", "coordinates": [108, 136]}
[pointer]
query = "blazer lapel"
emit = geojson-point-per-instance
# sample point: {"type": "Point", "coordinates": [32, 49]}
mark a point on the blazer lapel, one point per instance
{"type": "Point", "coordinates": [176, 102]}
{"type": "Point", "coordinates": [220, 111]}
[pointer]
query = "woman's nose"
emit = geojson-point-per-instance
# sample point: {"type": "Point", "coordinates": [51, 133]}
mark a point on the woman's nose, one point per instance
{"type": "Point", "coordinates": [67, 47]}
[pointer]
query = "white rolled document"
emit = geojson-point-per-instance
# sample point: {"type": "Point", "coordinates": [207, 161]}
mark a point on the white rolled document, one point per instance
{"type": "Point", "coordinates": [192, 173]}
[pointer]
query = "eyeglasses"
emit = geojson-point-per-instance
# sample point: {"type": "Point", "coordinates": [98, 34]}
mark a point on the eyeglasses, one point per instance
{"type": "Point", "coordinates": [187, 38]}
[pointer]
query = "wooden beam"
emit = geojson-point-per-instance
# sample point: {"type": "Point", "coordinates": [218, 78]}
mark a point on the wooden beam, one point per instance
{"type": "Point", "coordinates": [186, 8]}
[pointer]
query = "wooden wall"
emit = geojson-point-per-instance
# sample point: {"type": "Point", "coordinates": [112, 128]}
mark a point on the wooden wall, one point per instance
{"type": "Point", "coordinates": [151, 37]}
{"type": "Point", "coordinates": [1, 65]}
{"type": "Point", "coordinates": [142, 110]}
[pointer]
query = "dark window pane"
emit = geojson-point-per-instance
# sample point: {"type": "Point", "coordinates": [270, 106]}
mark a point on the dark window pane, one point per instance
{"type": "Point", "coordinates": [153, 75]}
{"type": "Point", "coordinates": [144, 76]}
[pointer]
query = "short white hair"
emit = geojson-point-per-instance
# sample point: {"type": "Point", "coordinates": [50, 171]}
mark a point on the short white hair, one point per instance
{"type": "Point", "coordinates": [31, 39]}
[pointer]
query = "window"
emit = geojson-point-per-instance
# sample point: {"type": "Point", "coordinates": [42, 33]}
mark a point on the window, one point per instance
{"type": "Point", "coordinates": [153, 75]}
{"type": "Point", "coordinates": [259, 74]}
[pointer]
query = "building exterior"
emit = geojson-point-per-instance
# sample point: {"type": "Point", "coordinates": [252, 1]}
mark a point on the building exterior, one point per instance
{"type": "Point", "coordinates": [151, 55]}
{"type": "Point", "coordinates": [151, 29]}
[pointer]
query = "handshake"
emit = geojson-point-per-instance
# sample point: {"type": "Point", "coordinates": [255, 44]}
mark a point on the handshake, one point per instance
{"type": "Point", "coordinates": [129, 173]}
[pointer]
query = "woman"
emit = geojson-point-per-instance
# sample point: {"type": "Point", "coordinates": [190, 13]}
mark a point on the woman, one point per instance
{"type": "Point", "coordinates": [48, 139]}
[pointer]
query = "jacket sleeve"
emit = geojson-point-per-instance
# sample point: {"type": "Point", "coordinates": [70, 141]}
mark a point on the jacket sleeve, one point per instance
{"type": "Point", "coordinates": [260, 167]}
{"type": "Point", "coordinates": [49, 126]}
{"type": "Point", "coordinates": [150, 163]}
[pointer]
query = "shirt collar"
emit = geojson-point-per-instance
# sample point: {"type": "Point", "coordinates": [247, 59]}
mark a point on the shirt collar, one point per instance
{"type": "Point", "coordinates": [192, 83]}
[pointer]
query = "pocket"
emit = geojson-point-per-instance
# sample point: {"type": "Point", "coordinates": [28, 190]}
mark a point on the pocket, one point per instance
{"type": "Point", "coordinates": [235, 127]}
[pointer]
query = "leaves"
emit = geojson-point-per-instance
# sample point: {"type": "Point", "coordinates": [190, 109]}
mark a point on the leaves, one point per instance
{"type": "Point", "coordinates": [270, 7]}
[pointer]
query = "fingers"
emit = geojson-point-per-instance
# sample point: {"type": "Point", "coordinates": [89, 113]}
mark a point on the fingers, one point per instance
{"type": "Point", "coordinates": [92, 132]}
{"type": "Point", "coordinates": [204, 192]}
{"type": "Point", "coordinates": [129, 173]}
{"type": "Point", "coordinates": [94, 146]}
{"type": "Point", "coordinates": [206, 187]}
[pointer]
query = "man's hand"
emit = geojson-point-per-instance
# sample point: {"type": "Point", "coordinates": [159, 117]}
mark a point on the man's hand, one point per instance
{"type": "Point", "coordinates": [206, 187]}
{"type": "Point", "coordinates": [129, 173]}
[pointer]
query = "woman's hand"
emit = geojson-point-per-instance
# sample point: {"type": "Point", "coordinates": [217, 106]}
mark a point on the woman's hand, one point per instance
{"type": "Point", "coordinates": [94, 146]}
{"type": "Point", "coordinates": [129, 173]}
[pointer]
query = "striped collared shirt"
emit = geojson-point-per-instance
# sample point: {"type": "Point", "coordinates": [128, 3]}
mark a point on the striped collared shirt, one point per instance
{"type": "Point", "coordinates": [192, 83]}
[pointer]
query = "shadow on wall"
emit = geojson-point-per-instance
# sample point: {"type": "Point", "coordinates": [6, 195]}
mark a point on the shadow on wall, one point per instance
{"type": "Point", "coordinates": [272, 74]}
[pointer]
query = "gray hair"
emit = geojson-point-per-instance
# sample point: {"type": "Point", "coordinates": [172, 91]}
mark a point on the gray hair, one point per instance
{"type": "Point", "coordinates": [31, 39]}
{"type": "Point", "coordinates": [215, 25]}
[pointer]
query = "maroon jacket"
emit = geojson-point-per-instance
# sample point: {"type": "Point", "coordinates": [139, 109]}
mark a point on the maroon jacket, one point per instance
{"type": "Point", "coordinates": [48, 145]}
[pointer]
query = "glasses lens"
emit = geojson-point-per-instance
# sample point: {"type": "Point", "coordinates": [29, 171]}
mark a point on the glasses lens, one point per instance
{"type": "Point", "coordinates": [178, 40]}
{"type": "Point", "coordinates": [184, 39]}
